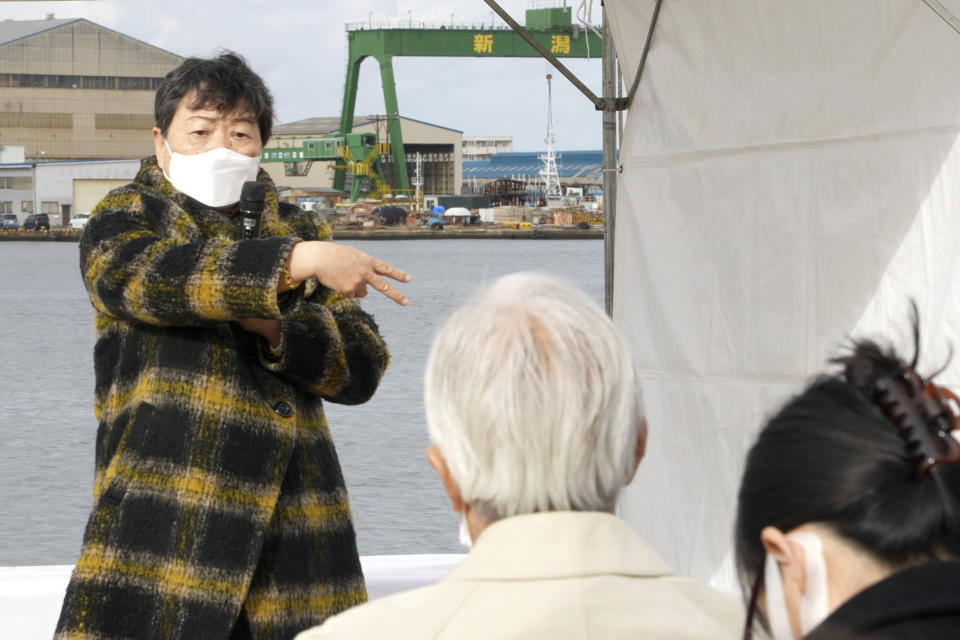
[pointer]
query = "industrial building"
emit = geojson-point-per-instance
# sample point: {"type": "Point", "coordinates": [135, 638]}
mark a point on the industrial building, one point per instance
{"type": "Point", "coordinates": [60, 188]}
{"type": "Point", "coordinates": [583, 169]}
{"type": "Point", "coordinates": [439, 149]}
{"type": "Point", "coordinates": [70, 89]}
{"type": "Point", "coordinates": [482, 147]}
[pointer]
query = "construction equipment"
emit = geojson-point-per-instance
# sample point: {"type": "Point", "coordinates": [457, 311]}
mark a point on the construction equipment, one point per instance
{"type": "Point", "coordinates": [549, 23]}
{"type": "Point", "coordinates": [356, 153]}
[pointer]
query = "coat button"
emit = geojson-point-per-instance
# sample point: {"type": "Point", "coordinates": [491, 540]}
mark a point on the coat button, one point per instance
{"type": "Point", "coordinates": [283, 409]}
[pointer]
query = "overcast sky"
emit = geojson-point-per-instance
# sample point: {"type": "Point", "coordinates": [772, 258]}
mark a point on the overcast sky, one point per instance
{"type": "Point", "coordinates": [299, 47]}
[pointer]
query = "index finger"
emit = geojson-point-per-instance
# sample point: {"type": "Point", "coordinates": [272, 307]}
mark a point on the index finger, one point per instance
{"type": "Point", "coordinates": [386, 269]}
{"type": "Point", "coordinates": [384, 287]}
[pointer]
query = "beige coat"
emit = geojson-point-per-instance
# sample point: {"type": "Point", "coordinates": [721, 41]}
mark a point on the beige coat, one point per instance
{"type": "Point", "coordinates": [549, 575]}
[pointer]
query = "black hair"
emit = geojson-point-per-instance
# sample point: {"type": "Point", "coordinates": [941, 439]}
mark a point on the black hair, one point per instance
{"type": "Point", "coordinates": [222, 83]}
{"type": "Point", "coordinates": [831, 456]}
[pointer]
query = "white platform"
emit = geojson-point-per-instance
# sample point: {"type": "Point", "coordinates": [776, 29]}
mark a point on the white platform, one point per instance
{"type": "Point", "coordinates": [30, 597]}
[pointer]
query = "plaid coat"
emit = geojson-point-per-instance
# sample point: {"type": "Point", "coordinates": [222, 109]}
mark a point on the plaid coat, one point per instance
{"type": "Point", "coordinates": [220, 507]}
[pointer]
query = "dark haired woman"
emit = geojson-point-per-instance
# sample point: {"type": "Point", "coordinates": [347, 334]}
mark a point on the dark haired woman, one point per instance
{"type": "Point", "coordinates": [220, 509]}
{"type": "Point", "coordinates": [848, 522]}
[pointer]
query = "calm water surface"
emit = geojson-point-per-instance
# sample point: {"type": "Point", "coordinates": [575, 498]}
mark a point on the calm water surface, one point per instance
{"type": "Point", "coordinates": [47, 427]}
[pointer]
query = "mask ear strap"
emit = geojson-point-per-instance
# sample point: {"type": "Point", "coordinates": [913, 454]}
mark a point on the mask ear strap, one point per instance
{"type": "Point", "coordinates": [465, 538]}
{"type": "Point", "coordinates": [776, 601]}
{"type": "Point", "coordinates": [165, 174]}
{"type": "Point", "coordinates": [813, 606]}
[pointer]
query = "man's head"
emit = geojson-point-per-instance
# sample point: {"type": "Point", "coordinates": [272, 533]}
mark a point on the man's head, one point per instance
{"type": "Point", "coordinates": [205, 104]}
{"type": "Point", "coordinates": [532, 401]}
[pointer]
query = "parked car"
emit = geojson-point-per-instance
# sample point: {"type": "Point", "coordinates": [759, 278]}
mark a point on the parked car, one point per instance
{"type": "Point", "coordinates": [79, 221]}
{"type": "Point", "coordinates": [37, 221]}
{"type": "Point", "coordinates": [9, 221]}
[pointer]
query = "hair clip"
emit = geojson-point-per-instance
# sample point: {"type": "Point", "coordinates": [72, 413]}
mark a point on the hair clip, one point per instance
{"type": "Point", "coordinates": [924, 415]}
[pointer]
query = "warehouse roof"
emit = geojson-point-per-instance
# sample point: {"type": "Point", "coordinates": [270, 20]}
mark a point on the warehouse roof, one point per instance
{"type": "Point", "coordinates": [323, 125]}
{"type": "Point", "coordinates": [11, 30]}
{"type": "Point", "coordinates": [45, 163]}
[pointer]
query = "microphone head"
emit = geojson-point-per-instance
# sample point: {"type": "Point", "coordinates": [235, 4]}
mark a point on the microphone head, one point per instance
{"type": "Point", "coordinates": [253, 196]}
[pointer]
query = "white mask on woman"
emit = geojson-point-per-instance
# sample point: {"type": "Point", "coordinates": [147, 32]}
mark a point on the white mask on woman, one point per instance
{"type": "Point", "coordinates": [213, 177]}
{"type": "Point", "coordinates": [813, 604]}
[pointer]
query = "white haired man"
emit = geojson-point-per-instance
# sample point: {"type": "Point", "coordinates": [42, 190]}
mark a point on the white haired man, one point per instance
{"type": "Point", "coordinates": [536, 422]}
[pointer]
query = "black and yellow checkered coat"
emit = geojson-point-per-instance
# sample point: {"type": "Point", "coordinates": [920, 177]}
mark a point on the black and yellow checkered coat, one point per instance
{"type": "Point", "coordinates": [220, 507]}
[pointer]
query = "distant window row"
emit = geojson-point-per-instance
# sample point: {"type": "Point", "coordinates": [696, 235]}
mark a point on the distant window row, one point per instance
{"type": "Point", "coordinates": [485, 143]}
{"type": "Point", "coordinates": [26, 206]}
{"type": "Point", "coordinates": [430, 157]}
{"type": "Point", "coordinates": [122, 83]}
{"type": "Point", "coordinates": [20, 183]}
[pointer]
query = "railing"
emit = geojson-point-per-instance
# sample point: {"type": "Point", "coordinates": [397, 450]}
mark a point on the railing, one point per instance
{"type": "Point", "coordinates": [410, 24]}
{"type": "Point", "coordinates": [549, 4]}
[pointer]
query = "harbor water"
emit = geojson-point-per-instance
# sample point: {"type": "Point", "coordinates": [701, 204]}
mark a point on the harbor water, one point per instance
{"type": "Point", "coordinates": [47, 427]}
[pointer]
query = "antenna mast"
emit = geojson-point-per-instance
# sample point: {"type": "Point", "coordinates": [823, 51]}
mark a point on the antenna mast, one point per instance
{"type": "Point", "coordinates": [548, 171]}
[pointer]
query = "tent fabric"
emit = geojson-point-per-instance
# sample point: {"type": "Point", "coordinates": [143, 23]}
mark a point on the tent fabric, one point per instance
{"type": "Point", "coordinates": [788, 181]}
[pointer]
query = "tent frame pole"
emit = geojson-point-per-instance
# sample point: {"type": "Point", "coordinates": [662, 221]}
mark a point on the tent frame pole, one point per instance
{"type": "Point", "coordinates": [610, 104]}
{"type": "Point", "coordinates": [609, 166]}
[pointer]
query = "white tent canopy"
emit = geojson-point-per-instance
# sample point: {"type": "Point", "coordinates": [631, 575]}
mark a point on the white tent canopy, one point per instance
{"type": "Point", "coordinates": [791, 176]}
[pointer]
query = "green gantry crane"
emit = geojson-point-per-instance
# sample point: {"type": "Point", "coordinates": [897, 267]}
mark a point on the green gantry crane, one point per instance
{"type": "Point", "coordinates": [358, 153]}
{"type": "Point", "coordinates": [551, 26]}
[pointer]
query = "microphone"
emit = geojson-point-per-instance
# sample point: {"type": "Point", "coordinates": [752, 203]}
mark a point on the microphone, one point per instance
{"type": "Point", "coordinates": [253, 197]}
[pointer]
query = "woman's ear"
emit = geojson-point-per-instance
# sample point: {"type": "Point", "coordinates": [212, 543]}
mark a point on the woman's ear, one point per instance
{"type": "Point", "coordinates": [160, 150]}
{"type": "Point", "coordinates": [790, 558]}
{"type": "Point", "coordinates": [788, 554]}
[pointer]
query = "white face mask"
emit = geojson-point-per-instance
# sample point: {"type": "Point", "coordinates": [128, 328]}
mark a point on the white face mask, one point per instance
{"type": "Point", "coordinates": [813, 604]}
{"type": "Point", "coordinates": [465, 538]}
{"type": "Point", "coordinates": [214, 177]}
